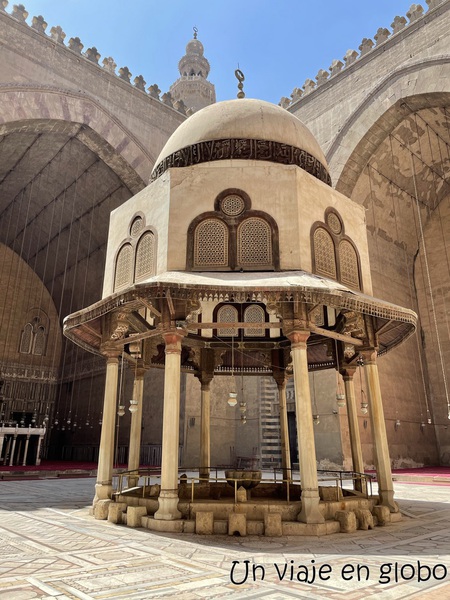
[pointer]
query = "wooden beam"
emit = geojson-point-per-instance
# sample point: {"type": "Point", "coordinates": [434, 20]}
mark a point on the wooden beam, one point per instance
{"type": "Point", "coordinates": [336, 336]}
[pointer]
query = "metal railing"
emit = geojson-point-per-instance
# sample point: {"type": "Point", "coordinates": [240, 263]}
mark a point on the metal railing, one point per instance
{"type": "Point", "coordinates": [362, 482]}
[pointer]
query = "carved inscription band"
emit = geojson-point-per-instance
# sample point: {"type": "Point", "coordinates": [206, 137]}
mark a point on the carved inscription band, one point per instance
{"type": "Point", "coordinates": [248, 149]}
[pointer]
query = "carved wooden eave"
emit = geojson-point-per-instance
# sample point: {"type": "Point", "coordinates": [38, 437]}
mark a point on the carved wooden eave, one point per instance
{"type": "Point", "coordinates": [393, 324]}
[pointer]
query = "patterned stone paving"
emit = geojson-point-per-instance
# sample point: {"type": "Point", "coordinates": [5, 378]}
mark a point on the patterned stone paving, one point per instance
{"type": "Point", "coordinates": [50, 548]}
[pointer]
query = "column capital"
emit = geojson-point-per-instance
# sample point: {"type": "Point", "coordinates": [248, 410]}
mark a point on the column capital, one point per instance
{"type": "Point", "coordinates": [347, 372]}
{"type": "Point", "coordinates": [369, 356]}
{"type": "Point", "coordinates": [172, 340]}
{"type": "Point", "coordinates": [205, 377]}
{"type": "Point", "coordinates": [298, 337]}
{"type": "Point", "coordinates": [111, 352]}
{"type": "Point", "coordinates": [280, 377]}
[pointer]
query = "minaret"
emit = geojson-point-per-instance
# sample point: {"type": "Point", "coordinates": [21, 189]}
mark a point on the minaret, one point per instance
{"type": "Point", "coordinates": [192, 86]}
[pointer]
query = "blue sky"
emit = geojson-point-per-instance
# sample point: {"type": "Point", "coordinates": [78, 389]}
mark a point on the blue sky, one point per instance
{"type": "Point", "coordinates": [277, 43]}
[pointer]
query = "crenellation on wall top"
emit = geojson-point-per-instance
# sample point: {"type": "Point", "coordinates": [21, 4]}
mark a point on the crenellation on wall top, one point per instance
{"type": "Point", "coordinates": [322, 76]}
{"type": "Point", "coordinates": [415, 12]}
{"type": "Point", "coordinates": [381, 35]}
{"type": "Point", "coordinates": [75, 45]}
{"type": "Point", "coordinates": [109, 64]}
{"type": "Point", "coordinates": [92, 54]}
{"type": "Point", "coordinates": [367, 46]}
{"type": "Point", "coordinates": [139, 83]}
{"type": "Point", "coordinates": [336, 67]}
{"type": "Point", "coordinates": [154, 91]}
{"type": "Point", "coordinates": [19, 12]}
{"type": "Point", "coordinates": [39, 24]}
{"type": "Point", "coordinates": [57, 35]}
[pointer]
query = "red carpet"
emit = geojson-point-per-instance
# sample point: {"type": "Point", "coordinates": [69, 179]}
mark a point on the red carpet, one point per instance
{"type": "Point", "coordinates": [57, 465]}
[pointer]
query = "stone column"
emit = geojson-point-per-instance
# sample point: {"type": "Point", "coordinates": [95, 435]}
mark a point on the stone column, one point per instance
{"type": "Point", "coordinates": [205, 429]}
{"type": "Point", "coordinates": [136, 427]}
{"type": "Point", "coordinates": [353, 426]}
{"type": "Point", "coordinates": [38, 453]}
{"type": "Point", "coordinates": [25, 452]}
{"type": "Point", "coordinates": [103, 487]}
{"type": "Point", "coordinates": [2, 439]}
{"type": "Point", "coordinates": [7, 449]}
{"type": "Point", "coordinates": [310, 512]}
{"type": "Point", "coordinates": [168, 497]}
{"type": "Point", "coordinates": [281, 381]}
{"type": "Point", "coordinates": [11, 458]}
{"type": "Point", "coordinates": [383, 461]}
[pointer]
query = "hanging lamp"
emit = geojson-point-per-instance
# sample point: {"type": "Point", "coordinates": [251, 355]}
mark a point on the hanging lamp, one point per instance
{"type": "Point", "coordinates": [232, 394]}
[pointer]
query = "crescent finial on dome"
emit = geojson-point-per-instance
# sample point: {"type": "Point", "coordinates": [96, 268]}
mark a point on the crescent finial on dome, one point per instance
{"type": "Point", "coordinates": [240, 77]}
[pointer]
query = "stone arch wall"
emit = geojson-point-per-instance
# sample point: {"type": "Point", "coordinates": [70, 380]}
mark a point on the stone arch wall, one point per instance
{"type": "Point", "coordinates": [388, 164]}
{"type": "Point", "coordinates": [411, 88]}
{"type": "Point", "coordinates": [23, 295]}
{"type": "Point", "coordinates": [431, 278]}
{"type": "Point", "coordinates": [49, 109]}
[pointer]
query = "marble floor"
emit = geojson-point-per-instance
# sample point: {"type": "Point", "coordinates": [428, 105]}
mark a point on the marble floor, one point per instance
{"type": "Point", "coordinates": [51, 548]}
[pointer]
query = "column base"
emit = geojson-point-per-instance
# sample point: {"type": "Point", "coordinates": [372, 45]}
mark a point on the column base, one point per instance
{"type": "Point", "coordinates": [168, 506]}
{"type": "Point", "coordinates": [132, 481]}
{"type": "Point", "coordinates": [310, 512]}
{"type": "Point", "coordinates": [387, 499]}
{"type": "Point", "coordinates": [204, 473]}
{"type": "Point", "coordinates": [103, 491]}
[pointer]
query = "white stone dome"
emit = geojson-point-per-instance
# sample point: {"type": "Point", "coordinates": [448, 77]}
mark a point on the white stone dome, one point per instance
{"type": "Point", "coordinates": [245, 119]}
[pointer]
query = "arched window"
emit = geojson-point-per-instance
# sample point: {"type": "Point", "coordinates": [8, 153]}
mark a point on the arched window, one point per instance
{"type": "Point", "coordinates": [254, 243]}
{"type": "Point", "coordinates": [348, 263]}
{"type": "Point", "coordinates": [233, 236]}
{"type": "Point", "coordinates": [324, 256]}
{"type": "Point", "coordinates": [254, 314]}
{"type": "Point", "coordinates": [227, 314]}
{"type": "Point", "coordinates": [211, 244]}
{"type": "Point", "coordinates": [34, 337]}
{"type": "Point", "coordinates": [334, 254]}
{"type": "Point", "coordinates": [124, 268]}
{"type": "Point", "coordinates": [26, 339]}
{"type": "Point", "coordinates": [39, 341]}
{"type": "Point", "coordinates": [145, 257]}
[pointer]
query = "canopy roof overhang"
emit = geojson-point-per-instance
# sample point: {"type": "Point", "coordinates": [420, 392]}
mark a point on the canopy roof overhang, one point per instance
{"type": "Point", "coordinates": [184, 290]}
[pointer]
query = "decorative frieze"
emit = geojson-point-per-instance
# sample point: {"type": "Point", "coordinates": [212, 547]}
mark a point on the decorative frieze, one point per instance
{"type": "Point", "coordinates": [247, 149]}
{"type": "Point", "coordinates": [18, 371]}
